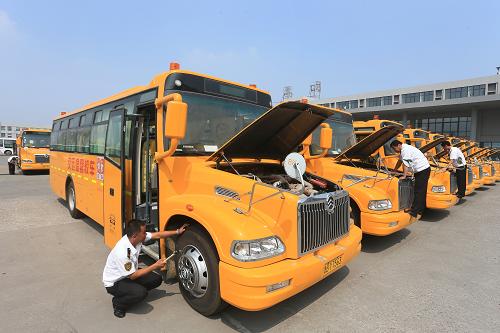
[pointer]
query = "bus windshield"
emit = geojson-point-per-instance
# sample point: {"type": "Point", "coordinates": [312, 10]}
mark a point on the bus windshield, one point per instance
{"type": "Point", "coordinates": [213, 120]}
{"type": "Point", "coordinates": [36, 139]}
{"type": "Point", "coordinates": [342, 138]}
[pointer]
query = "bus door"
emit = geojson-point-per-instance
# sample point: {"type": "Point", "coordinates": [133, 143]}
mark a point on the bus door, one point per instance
{"type": "Point", "coordinates": [114, 176]}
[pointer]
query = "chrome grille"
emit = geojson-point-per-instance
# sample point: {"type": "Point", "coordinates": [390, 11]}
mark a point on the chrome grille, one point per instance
{"type": "Point", "coordinates": [405, 193]}
{"type": "Point", "coordinates": [480, 172]}
{"type": "Point", "coordinates": [322, 219]}
{"type": "Point", "coordinates": [470, 175]}
{"type": "Point", "coordinates": [225, 192]}
{"type": "Point", "coordinates": [42, 158]}
{"type": "Point", "coordinates": [453, 183]}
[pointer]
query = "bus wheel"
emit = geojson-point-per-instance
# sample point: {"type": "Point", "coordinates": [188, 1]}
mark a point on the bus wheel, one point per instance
{"type": "Point", "coordinates": [8, 152]}
{"type": "Point", "coordinates": [12, 169]}
{"type": "Point", "coordinates": [71, 201]}
{"type": "Point", "coordinates": [198, 272]}
{"type": "Point", "coordinates": [355, 215]}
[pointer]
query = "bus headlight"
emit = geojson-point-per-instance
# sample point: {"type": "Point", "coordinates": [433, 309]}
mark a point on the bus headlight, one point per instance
{"type": "Point", "coordinates": [257, 249]}
{"type": "Point", "coordinates": [486, 173]}
{"type": "Point", "coordinates": [439, 189]}
{"type": "Point", "coordinates": [380, 204]}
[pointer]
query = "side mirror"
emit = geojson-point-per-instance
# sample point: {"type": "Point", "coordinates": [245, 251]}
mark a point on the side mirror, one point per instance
{"type": "Point", "coordinates": [325, 137]}
{"type": "Point", "coordinates": [176, 120]}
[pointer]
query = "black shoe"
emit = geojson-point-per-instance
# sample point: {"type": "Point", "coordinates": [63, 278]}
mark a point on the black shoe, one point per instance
{"type": "Point", "coordinates": [119, 313]}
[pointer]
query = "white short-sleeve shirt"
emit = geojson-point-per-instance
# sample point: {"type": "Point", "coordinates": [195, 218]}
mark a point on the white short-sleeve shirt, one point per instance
{"type": "Point", "coordinates": [414, 157]}
{"type": "Point", "coordinates": [122, 261]}
{"type": "Point", "coordinates": [457, 157]}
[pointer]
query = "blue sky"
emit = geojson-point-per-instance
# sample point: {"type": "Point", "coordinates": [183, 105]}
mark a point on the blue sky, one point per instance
{"type": "Point", "coordinates": [59, 55]}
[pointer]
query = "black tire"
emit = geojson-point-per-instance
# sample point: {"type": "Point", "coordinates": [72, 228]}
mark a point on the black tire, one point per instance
{"type": "Point", "coordinates": [8, 152]}
{"type": "Point", "coordinates": [71, 201]}
{"type": "Point", "coordinates": [12, 169]}
{"type": "Point", "coordinates": [210, 302]}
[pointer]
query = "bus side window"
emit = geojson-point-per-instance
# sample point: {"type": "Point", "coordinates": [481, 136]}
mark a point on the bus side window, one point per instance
{"type": "Point", "coordinates": [97, 138]}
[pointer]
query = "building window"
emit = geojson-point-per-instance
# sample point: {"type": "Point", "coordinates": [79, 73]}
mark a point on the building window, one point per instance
{"type": "Point", "coordinates": [396, 99]}
{"type": "Point", "coordinates": [411, 98]}
{"type": "Point", "coordinates": [9, 128]}
{"type": "Point", "coordinates": [377, 101]}
{"type": "Point", "coordinates": [492, 88]}
{"type": "Point", "coordinates": [456, 92]}
{"type": "Point", "coordinates": [387, 100]}
{"type": "Point", "coordinates": [454, 126]}
{"type": "Point", "coordinates": [343, 105]}
{"type": "Point", "coordinates": [361, 103]}
{"type": "Point", "coordinates": [479, 90]}
{"type": "Point", "coordinates": [427, 96]}
{"type": "Point", "coordinates": [439, 95]}
{"type": "Point", "coordinates": [2, 135]}
{"type": "Point", "coordinates": [354, 104]}
{"type": "Point", "coordinates": [3, 128]}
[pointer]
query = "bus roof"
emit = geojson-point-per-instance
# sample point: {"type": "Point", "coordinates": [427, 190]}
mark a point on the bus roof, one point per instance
{"type": "Point", "coordinates": [157, 81]}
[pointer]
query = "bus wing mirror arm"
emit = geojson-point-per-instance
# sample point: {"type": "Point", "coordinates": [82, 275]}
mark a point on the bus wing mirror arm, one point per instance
{"type": "Point", "coordinates": [173, 125]}
{"type": "Point", "coordinates": [325, 141]}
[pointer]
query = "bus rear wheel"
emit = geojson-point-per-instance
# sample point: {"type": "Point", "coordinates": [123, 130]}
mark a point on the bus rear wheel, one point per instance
{"type": "Point", "coordinates": [198, 272]}
{"type": "Point", "coordinates": [71, 201]}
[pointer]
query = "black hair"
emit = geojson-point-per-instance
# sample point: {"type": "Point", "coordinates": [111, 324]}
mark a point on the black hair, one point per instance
{"type": "Point", "coordinates": [445, 143]}
{"type": "Point", "coordinates": [134, 226]}
{"type": "Point", "coordinates": [396, 143]}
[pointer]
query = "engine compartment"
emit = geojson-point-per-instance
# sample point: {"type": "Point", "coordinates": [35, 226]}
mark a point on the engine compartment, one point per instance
{"type": "Point", "coordinates": [274, 175]}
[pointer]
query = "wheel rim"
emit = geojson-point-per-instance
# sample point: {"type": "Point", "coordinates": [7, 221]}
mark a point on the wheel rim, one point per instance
{"type": "Point", "coordinates": [192, 271]}
{"type": "Point", "coordinates": [71, 198]}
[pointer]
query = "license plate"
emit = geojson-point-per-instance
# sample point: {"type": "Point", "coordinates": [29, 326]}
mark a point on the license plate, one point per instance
{"type": "Point", "coordinates": [332, 264]}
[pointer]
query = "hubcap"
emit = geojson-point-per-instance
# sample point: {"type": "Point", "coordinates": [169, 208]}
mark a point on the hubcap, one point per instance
{"type": "Point", "coordinates": [71, 198]}
{"type": "Point", "coordinates": [192, 271]}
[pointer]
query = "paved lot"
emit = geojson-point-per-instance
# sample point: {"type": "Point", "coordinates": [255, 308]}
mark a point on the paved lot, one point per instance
{"type": "Point", "coordinates": [441, 274]}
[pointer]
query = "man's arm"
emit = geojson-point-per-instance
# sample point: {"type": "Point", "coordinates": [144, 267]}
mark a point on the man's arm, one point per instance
{"type": "Point", "coordinates": [168, 233]}
{"type": "Point", "coordinates": [146, 270]}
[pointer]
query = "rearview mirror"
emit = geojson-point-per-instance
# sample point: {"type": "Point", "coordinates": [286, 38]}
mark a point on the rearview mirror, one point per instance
{"type": "Point", "coordinates": [325, 137]}
{"type": "Point", "coordinates": [176, 120]}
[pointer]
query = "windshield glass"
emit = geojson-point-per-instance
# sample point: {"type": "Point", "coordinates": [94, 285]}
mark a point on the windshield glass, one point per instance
{"type": "Point", "coordinates": [36, 139]}
{"type": "Point", "coordinates": [342, 138]}
{"type": "Point", "coordinates": [439, 149]}
{"type": "Point", "coordinates": [214, 120]}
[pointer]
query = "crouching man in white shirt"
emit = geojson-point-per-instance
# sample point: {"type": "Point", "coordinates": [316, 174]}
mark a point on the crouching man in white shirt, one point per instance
{"type": "Point", "coordinates": [418, 163]}
{"type": "Point", "coordinates": [122, 277]}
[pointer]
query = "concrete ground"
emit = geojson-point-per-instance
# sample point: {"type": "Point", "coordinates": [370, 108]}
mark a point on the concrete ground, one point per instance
{"type": "Point", "coordinates": [440, 274]}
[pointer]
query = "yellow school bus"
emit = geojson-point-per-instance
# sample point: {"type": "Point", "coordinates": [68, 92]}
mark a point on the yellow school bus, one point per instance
{"type": "Point", "coordinates": [442, 184]}
{"type": "Point", "coordinates": [378, 198]}
{"type": "Point", "coordinates": [32, 151]}
{"type": "Point", "coordinates": [191, 148]}
{"type": "Point", "coordinates": [486, 169]}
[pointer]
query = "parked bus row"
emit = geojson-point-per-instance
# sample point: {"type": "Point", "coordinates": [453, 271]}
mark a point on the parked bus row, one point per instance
{"type": "Point", "coordinates": [276, 198]}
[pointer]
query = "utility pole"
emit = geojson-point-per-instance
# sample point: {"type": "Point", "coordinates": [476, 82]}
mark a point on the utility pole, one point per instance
{"type": "Point", "coordinates": [315, 90]}
{"type": "Point", "coordinates": [287, 93]}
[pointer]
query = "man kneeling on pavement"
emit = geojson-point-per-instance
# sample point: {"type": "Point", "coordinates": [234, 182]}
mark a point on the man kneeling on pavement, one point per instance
{"type": "Point", "coordinates": [122, 277]}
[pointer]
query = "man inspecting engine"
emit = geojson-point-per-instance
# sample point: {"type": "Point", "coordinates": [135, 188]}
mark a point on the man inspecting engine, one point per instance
{"type": "Point", "coordinates": [122, 277]}
{"type": "Point", "coordinates": [414, 161]}
{"type": "Point", "coordinates": [458, 165]}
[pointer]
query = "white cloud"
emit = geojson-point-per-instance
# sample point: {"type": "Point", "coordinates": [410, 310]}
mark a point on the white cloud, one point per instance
{"type": "Point", "coordinates": [7, 26]}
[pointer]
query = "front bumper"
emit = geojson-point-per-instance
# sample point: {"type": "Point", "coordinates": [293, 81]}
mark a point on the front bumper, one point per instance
{"type": "Point", "coordinates": [378, 224]}
{"type": "Point", "coordinates": [35, 166]}
{"type": "Point", "coordinates": [440, 200]}
{"type": "Point", "coordinates": [245, 288]}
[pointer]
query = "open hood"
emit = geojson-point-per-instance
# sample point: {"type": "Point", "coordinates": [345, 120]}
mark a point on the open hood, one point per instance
{"type": "Point", "coordinates": [477, 153]}
{"type": "Point", "coordinates": [371, 143]}
{"type": "Point", "coordinates": [463, 149]}
{"type": "Point", "coordinates": [276, 133]}
{"type": "Point", "coordinates": [424, 149]}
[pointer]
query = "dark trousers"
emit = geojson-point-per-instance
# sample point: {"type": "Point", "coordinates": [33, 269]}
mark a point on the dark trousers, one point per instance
{"type": "Point", "coordinates": [461, 175]}
{"type": "Point", "coordinates": [420, 192]}
{"type": "Point", "coordinates": [128, 292]}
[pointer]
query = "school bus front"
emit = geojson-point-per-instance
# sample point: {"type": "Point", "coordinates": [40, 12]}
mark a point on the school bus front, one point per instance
{"type": "Point", "coordinates": [33, 150]}
{"type": "Point", "coordinates": [174, 152]}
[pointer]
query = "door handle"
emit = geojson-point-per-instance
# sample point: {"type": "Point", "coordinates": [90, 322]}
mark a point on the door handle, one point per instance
{"type": "Point", "coordinates": [112, 192]}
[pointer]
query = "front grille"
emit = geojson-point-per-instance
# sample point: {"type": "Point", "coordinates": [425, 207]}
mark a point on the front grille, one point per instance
{"type": "Point", "coordinates": [453, 183]}
{"type": "Point", "coordinates": [480, 172]}
{"type": "Point", "coordinates": [42, 158]}
{"type": "Point", "coordinates": [322, 219]}
{"type": "Point", "coordinates": [470, 176]}
{"type": "Point", "coordinates": [405, 193]}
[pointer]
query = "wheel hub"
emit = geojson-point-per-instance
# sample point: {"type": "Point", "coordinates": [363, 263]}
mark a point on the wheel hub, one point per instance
{"type": "Point", "coordinates": [192, 271]}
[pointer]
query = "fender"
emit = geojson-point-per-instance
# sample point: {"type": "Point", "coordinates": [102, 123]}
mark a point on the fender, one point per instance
{"type": "Point", "coordinates": [224, 224]}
